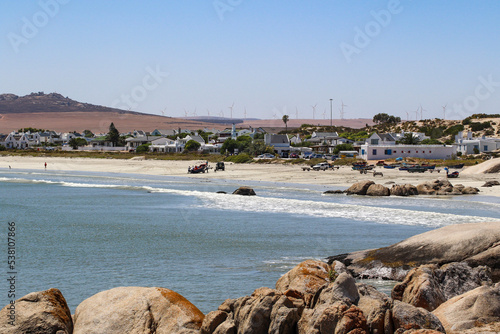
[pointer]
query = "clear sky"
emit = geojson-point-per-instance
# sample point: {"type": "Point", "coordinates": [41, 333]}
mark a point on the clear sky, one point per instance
{"type": "Point", "coordinates": [270, 57]}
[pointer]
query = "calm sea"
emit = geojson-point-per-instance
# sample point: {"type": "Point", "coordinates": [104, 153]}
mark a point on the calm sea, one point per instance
{"type": "Point", "coordinates": [87, 232]}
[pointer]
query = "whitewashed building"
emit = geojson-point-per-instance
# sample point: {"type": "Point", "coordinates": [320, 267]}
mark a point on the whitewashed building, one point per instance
{"type": "Point", "coordinates": [382, 152]}
{"type": "Point", "coordinates": [281, 144]}
{"type": "Point", "coordinates": [471, 145]}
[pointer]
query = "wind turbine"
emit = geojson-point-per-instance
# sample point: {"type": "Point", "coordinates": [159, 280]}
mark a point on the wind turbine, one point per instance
{"type": "Point", "coordinates": [185, 113]}
{"type": "Point", "coordinates": [416, 114]}
{"type": "Point", "coordinates": [314, 109]}
{"type": "Point", "coordinates": [163, 111]}
{"type": "Point", "coordinates": [342, 110]}
{"type": "Point", "coordinates": [407, 116]}
{"type": "Point", "coordinates": [444, 112]}
{"type": "Point", "coordinates": [245, 113]}
{"type": "Point", "coordinates": [194, 112]}
{"type": "Point", "coordinates": [422, 112]}
{"type": "Point", "coordinates": [324, 114]}
{"type": "Point", "coordinates": [208, 112]}
{"type": "Point", "coordinates": [231, 108]}
{"type": "Point", "coordinates": [296, 113]}
{"type": "Point", "coordinates": [221, 113]}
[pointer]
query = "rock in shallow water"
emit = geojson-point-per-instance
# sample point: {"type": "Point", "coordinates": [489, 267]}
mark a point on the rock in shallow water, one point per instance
{"type": "Point", "coordinates": [245, 191]}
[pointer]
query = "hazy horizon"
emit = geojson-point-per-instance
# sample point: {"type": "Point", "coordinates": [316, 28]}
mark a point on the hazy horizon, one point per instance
{"type": "Point", "coordinates": [268, 58]}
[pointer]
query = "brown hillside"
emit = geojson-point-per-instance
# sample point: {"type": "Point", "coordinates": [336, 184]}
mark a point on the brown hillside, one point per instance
{"type": "Point", "coordinates": [97, 122]}
{"type": "Point", "coordinates": [56, 112]}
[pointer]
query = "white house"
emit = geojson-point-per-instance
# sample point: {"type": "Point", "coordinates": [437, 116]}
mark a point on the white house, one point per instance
{"type": "Point", "coordinates": [470, 145]}
{"type": "Point", "coordinates": [381, 152]}
{"type": "Point", "coordinates": [164, 145]}
{"type": "Point", "coordinates": [133, 143]}
{"type": "Point", "coordinates": [281, 144]}
{"type": "Point", "coordinates": [381, 139]}
{"type": "Point", "coordinates": [17, 140]}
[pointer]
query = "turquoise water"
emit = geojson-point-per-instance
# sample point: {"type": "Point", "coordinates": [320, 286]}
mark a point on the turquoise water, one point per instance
{"type": "Point", "coordinates": [87, 232]}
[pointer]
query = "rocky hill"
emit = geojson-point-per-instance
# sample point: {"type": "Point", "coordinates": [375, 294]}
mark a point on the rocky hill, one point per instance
{"type": "Point", "coordinates": [53, 102]}
{"type": "Point", "coordinates": [56, 112]}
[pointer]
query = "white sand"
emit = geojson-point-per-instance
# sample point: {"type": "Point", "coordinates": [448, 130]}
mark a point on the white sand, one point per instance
{"type": "Point", "coordinates": [343, 177]}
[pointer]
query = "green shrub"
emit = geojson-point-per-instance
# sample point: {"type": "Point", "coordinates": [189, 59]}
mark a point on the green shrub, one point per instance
{"type": "Point", "coordinates": [239, 159]}
{"type": "Point", "coordinates": [480, 126]}
{"type": "Point", "coordinates": [142, 148]}
{"type": "Point", "coordinates": [454, 130]}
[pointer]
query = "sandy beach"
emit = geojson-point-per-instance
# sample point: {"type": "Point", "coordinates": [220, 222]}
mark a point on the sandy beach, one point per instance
{"type": "Point", "coordinates": [343, 177]}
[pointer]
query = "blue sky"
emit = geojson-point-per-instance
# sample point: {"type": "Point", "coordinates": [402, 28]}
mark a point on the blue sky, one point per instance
{"type": "Point", "coordinates": [268, 57]}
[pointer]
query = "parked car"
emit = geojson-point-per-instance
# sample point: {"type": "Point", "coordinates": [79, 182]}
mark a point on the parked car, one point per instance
{"type": "Point", "coordinates": [294, 155]}
{"type": "Point", "coordinates": [321, 166]}
{"type": "Point", "coordinates": [317, 156]}
{"type": "Point", "coordinates": [266, 156]}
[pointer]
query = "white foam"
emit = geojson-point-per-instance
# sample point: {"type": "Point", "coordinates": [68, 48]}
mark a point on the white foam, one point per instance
{"type": "Point", "coordinates": [294, 207]}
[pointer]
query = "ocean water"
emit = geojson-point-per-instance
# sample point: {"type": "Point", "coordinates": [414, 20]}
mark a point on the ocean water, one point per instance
{"type": "Point", "coordinates": [87, 232]}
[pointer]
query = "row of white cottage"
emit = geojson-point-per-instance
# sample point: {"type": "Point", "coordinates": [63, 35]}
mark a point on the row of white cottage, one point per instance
{"type": "Point", "coordinates": [383, 146]}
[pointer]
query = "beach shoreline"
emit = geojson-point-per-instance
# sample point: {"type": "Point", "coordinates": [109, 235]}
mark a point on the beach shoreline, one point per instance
{"type": "Point", "coordinates": [272, 172]}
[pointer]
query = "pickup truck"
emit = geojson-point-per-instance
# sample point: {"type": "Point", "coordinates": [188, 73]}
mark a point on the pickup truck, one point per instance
{"type": "Point", "coordinates": [321, 166]}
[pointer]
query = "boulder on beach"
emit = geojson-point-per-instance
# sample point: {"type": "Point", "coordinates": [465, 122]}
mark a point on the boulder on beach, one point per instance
{"type": "Point", "coordinates": [475, 243]}
{"type": "Point", "coordinates": [329, 192]}
{"type": "Point", "coordinates": [43, 312]}
{"type": "Point", "coordinates": [475, 308]}
{"type": "Point", "coordinates": [470, 191]}
{"type": "Point", "coordinates": [338, 305]}
{"type": "Point", "coordinates": [491, 183]}
{"type": "Point", "coordinates": [265, 311]}
{"type": "Point", "coordinates": [245, 191]}
{"type": "Point", "coordinates": [429, 286]}
{"type": "Point", "coordinates": [403, 190]}
{"type": "Point", "coordinates": [359, 188]}
{"type": "Point", "coordinates": [137, 310]}
{"type": "Point", "coordinates": [378, 190]}
{"type": "Point", "coordinates": [306, 278]}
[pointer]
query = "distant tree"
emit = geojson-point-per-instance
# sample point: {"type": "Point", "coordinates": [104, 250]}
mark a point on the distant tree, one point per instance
{"type": "Point", "coordinates": [77, 142]}
{"type": "Point", "coordinates": [204, 135]}
{"type": "Point", "coordinates": [258, 136]}
{"type": "Point", "coordinates": [229, 146]}
{"type": "Point", "coordinates": [88, 133]}
{"type": "Point", "coordinates": [380, 118]}
{"type": "Point", "coordinates": [259, 147]}
{"type": "Point", "coordinates": [431, 142]}
{"type": "Point", "coordinates": [142, 148]}
{"type": "Point", "coordinates": [192, 145]}
{"type": "Point", "coordinates": [113, 135]}
{"type": "Point", "coordinates": [31, 130]}
{"type": "Point", "coordinates": [409, 139]}
{"type": "Point", "coordinates": [342, 147]}
{"type": "Point", "coordinates": [285, 119]}
{"type": "Point", "coordinates": [383, 118]}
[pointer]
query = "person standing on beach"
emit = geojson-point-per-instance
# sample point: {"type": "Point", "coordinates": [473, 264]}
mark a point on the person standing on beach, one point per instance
{"type": "Point", "coordinates": [45, 165]}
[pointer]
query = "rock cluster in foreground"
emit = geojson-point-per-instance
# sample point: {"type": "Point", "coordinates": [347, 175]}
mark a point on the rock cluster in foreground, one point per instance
{"type": "Point", "coordinates": [313, 297]}
{"type": "Point", "coordinates": [436, 187]}
{"type": "Point", "coordinates": [475, 243]}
